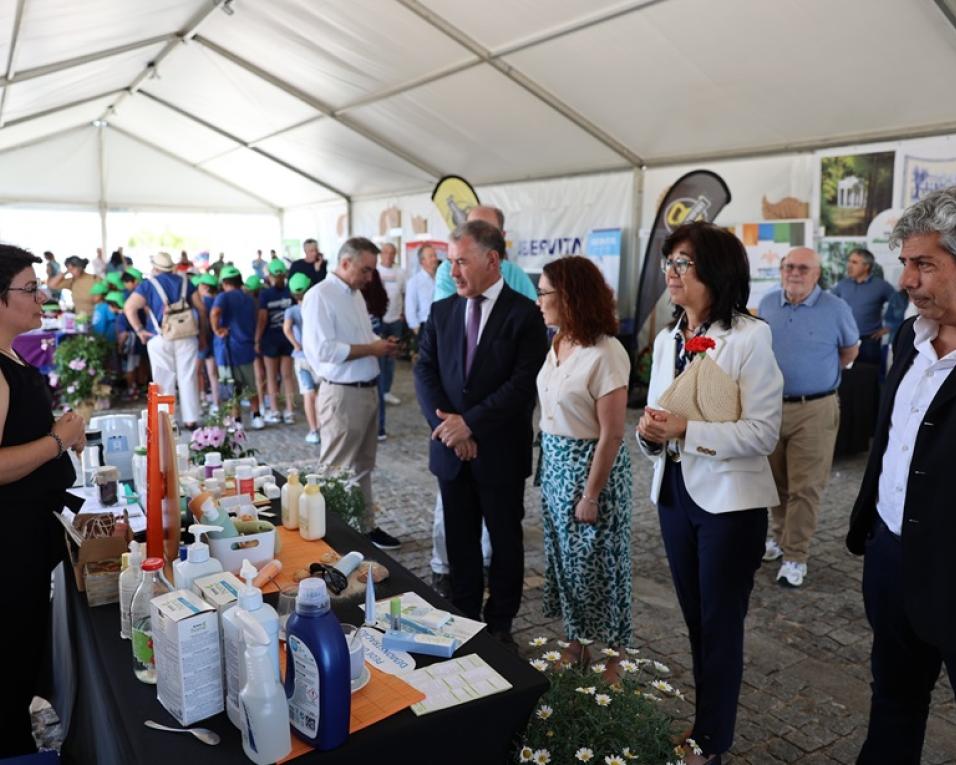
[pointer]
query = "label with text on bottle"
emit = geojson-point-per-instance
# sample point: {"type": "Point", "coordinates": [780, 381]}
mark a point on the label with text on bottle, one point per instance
{"type": "Point", "coordinates": [304, 704]}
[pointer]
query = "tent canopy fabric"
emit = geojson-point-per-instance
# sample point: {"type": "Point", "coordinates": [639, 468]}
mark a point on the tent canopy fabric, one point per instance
{"type": "Point", "coordinates": [273, 104]}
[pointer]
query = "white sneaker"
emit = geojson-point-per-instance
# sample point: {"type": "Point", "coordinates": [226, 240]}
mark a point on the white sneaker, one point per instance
{"type": "Point", "coordinates": [772, 550]}
{"type": "Point", "coordinates": [288, 418]}
{"type": "Point", "coordinates": [273, 418]}
{"type": "Point", "coordinates": [258, 423]}
{"type": "Point", "coordinates": [313, 437]}
{"type": "Point", "coordinates": [791, 573]}
{"type": "Point", "coordinates": [214, 409]}
{"type": "Point", "coordinates": [391, 399]}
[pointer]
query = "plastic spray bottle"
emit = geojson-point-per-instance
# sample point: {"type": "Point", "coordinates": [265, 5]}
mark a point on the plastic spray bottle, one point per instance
{"type": "Point", "coordinates": [213, 515]}
{"type": "Point", "coordinates": [318, 672]}
{"type": "Point", "coordinates": [265, 712]}
{"type": "Point", "coordinates": [197, 563]}
{"type": "Point", "coordinates": [290, 500]}
{"type": "Point", "coordinates": [312, 510]}
{"type": "Point", "coordinates": [128, 582]}
{"type": "Point", "coordinates": [250, 601]}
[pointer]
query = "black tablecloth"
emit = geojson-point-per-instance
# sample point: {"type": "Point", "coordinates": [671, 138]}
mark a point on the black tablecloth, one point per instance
{"type": "Point", "coordinates": [104, 705]}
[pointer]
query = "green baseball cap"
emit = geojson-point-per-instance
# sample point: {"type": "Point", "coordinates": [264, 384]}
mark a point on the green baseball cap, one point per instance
{"type": "Point", "coordinates": [276, 267]}
{"type": "Point", "coordinates": [229, 272]}
{"type": "Point", "coordinates": [194, 280]}
{"type": "Point", "coordinates": [116, 297]}
{"type": "Point", "coordinates": [299, 283]}
{"type": "Point", "coordinates": [116, 279]}
{"type": "Point", "coordinates": [100, 288]}
{"type": "Point", "coordinates": [135, 272]}
{"type": "Point", "coordinates": [253, 283]}
{"type": "Point", "coordinates": [209, 280]}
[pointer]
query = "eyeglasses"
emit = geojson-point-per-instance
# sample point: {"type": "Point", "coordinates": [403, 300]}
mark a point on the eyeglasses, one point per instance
{"type": "Point", "coordinates": [33, 291]}
{"type": "Point", "coordinates": [542, 293]}
{"type": "Point", "coordinates": [334, 579]}
{"type": "Point", "coordinates": [791, 267]}
{"type": "Point", "coordinates": [680, 265]}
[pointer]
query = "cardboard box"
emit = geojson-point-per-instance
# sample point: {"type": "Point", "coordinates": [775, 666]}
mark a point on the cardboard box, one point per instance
{"type": "Point", "coordinates": [102, 582]}
{"type": "Point", "coordinates": [188, 658]}
{"type": "Point", "coordinates": [220, 590]}
{"type": "Point", "coordinates": [84, 551]}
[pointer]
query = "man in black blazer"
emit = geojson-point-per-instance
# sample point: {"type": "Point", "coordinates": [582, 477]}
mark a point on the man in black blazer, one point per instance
{"type": "Point", "coordinates": [479, 354]}
{"type": "Point", "coordinates": [904, 519]}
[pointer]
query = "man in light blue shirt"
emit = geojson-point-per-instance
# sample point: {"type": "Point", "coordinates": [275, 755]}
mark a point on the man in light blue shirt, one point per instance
{"type": "Point", "coordinates": [866, 294]}
{"type": "Point", "coordinates": [420, 289]}
{"type": "Point", "coordinates": [814, 337]}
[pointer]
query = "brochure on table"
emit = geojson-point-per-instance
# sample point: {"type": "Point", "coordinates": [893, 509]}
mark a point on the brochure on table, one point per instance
{"type": "Point", "coordinates": [455, 681]}
{"type": "Point", "coordinates": [415, 608]}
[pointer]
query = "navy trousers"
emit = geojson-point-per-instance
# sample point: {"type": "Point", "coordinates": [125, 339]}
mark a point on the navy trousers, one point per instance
{"type": "Point", "coordinates": [904, 667]}
{"type": "Point", "coordinates": [713, 558]}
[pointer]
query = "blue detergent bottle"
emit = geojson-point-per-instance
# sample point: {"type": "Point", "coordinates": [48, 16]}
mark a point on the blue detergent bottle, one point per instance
{"type": "Point", "coordinates": [318, 674]}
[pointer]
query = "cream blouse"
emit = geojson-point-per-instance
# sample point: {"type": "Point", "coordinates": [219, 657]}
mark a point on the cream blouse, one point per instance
{"type": "Point", "coordinates": [569, 392]}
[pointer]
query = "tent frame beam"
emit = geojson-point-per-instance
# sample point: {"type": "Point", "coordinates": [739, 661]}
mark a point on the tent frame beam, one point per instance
{"type": "Point", "coordinates": [242, 144]}
{"type": "Point", "coordinates": [11, 55]}
{"type": "Point", "coordinates": [324, 109]}
{"type": "Point", "coordinates": [62, 108]}
{"type": "Point", "coordinates": [166, 153]}
{"type": "Point", "coordinates": [517, 77]}
{"type": "Point", "coordinates": [43, 138]}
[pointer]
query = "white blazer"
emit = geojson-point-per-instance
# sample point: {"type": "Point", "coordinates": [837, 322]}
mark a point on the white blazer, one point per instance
{"type": "Point", "coordinates": [725, 464]}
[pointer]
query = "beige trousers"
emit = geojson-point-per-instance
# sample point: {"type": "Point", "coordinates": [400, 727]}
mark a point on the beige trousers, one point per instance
{"type": "Point", "coordinates": [801, 468]}
{"type": "Point", "coordinates": [348, 427]}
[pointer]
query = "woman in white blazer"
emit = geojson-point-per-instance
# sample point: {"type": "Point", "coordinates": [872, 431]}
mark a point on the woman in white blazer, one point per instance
{"type": "Point", "coordinates": [712, 482]}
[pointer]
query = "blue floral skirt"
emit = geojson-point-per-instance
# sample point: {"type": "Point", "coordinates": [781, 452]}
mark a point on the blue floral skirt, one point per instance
{"type": "Point", "coordinates": [588, 566]}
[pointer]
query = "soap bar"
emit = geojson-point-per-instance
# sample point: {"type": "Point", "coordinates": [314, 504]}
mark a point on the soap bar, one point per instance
{"type": "Point", "coordinates": [433, 645]}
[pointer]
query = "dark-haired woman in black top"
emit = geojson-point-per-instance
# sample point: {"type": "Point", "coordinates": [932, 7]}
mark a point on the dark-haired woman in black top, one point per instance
{"type": "Point", "coordinates": [35, 471]}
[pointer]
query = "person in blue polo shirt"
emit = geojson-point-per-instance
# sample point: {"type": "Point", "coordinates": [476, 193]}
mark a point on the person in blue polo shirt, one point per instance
{"type": "Point", "coordinates": [272, 343]}
{"type": "Point", "coordinates": [208, 287]}
{"type": "Point", "coordinates": [173, 361]}
{"type": "Point", "coordinates": [866, 294]}
{"type": "Point", "coordinates": [233, 319]}
{"type": "Point", "coordinates": [814, 337]}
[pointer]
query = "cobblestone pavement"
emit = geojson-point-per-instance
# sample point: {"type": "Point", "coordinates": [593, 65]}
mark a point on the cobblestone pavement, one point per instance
{"type": "Point", "coordinates": [805, 695]}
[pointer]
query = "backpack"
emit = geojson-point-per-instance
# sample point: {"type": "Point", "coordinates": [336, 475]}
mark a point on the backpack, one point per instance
{"type": "Point", "coordinates": [179, 321]}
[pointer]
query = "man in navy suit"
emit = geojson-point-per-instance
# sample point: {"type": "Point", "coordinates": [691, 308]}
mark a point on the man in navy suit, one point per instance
{"type": "Point", "coordinates": [479, 354]}
{"type": "Point", "coordinates": [904, 519]}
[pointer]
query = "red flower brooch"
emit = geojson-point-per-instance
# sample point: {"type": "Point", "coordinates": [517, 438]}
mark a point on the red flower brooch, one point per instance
{"type": "Point", "coordinates": [699, 344]}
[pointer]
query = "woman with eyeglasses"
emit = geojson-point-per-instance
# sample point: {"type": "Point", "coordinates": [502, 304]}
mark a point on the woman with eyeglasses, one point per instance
{"type": "Point", "coordinates": [585, 467]}
{"type": "Point", "coordinates": [35, 473]}
{"type": "Point", "coordinates": [712, 482]}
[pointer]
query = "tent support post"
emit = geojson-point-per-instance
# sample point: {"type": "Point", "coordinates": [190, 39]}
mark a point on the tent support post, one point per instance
{"type": "Point", "coordinates": [101, 163]}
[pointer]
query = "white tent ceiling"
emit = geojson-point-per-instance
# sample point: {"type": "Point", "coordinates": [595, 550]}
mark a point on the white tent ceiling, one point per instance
{"type": "Point", "coordinates": [269, 104]}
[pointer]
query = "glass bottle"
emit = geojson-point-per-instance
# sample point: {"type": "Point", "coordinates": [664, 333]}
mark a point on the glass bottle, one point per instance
{"type": "Point", "coordinates": [152, 585]}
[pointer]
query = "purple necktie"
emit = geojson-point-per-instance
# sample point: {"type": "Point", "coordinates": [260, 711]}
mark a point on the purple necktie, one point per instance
{"type": "Point", "coordinates": [474, 322]}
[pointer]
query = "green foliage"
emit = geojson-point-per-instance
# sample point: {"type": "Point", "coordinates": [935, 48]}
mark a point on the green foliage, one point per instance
{"type": "Point", "coordinates": [80, 363]}
{"type": "Point", "coordinates": [583, 718]}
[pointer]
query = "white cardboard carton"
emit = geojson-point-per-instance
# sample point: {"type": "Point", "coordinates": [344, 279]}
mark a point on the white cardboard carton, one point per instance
{"type": "Point", "coordinates": [220, 590]}
{"type": "Point", "coordinates": [188, 657]}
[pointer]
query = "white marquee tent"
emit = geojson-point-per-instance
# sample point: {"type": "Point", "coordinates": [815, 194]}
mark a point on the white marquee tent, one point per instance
{"type": "Point", "coordinates": [272, 105]}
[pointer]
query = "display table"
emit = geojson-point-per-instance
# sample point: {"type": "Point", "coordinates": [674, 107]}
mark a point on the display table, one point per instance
{"type": "Point", "coordinates": [103, 706]}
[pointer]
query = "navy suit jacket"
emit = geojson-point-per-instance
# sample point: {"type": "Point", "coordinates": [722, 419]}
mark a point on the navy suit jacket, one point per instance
{"type": "Point", "coordinates": [497, 399]}
{"type": "Point", "coordinates": [929, 511]}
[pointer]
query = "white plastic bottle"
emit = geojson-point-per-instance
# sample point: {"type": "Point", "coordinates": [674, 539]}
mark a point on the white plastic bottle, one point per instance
{"type": "Point", "coordinates": [250, 600]}
{"type": "Point", "coordinates": [290, 500]}
{"type": "Point", "coordinates": [266, 736]}
{"type": "Point", "coordinates": [128, 583]}
{"type": "Point", "coordinates": [312, 510]}
{"type": "Point", "coordinates": [197, 563]}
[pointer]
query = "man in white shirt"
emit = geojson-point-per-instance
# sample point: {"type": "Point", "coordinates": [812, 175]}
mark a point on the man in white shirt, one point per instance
{"type": "Point", "coordinates": [421, 288]}
{"type": "Point", "coordinates": [904, 519]}
{"type": "Point", "coordinates": [393, 279]}
{"type": "Point", "coordinates": [343, 350]}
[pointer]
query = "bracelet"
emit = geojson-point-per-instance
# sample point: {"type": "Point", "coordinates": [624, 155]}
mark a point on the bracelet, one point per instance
{"type": "Point", "coordinates": [586, 498]}
{"type": "Point", "coordinates": [59, 444]}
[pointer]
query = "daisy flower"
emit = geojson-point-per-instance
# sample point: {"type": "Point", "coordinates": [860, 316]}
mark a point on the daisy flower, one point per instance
{"type": "Point", "coordinates": [562, 643]}
{"type": "Point", "coordinates": [583, 641]}
{"type": "Point", "coordinates": [628, 666]}
{"type": "Point", "coordinates": [633, 651]}
{"type": "Point", "coordinates": [538, 641]}
{"type": "Point", "coordinates": [525, 754]}
{"type": "Point", "coordinates": [538, 664]}
{"type": "Point", "coordinates": [663, 686]}
{"type": "Point", "coordinates": [589, 690]}
{"type": "Point", "coordinates": [613, 759]}
{"type": "Point", "coordinates": [542, 757]}
{"type": "Point", "coordinates": [551, 656]}
{"type": "Point", "coordinates": [602, 700]}
{"type": "Point", "coordinates": [610, 652]}
{"type": "Point", "coordinates": [584, 754]}
{"type": "Point", "coordinates": [628, 754]}
{"type": "Point", "coordinates": [662, 668]}
{"type": "Point", "coordinates": [694, 747]}
{"type": "Point", "coordinates": [544, 712]}
{"type": "Point", "coordinates": [599, 667]}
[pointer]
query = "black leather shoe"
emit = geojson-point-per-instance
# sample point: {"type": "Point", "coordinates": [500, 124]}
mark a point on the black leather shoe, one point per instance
{"type": "Point", "coordinates": [441, 583]}
{"type": "Point", "coordinates": [505, 638]}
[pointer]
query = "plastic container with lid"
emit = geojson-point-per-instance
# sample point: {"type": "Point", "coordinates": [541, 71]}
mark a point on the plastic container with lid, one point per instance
{"type": "Point", "coordinates": [211, 461]}
{"type": "Point", "coordinates": [197, 563]}
{"type": "Point", "coordinates": [291, 491]}
{"type": "Point", "coordinates": [312, 510]}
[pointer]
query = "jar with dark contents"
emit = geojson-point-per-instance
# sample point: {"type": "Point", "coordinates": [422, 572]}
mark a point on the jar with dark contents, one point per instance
{"type": "Point", "coordinates": [106, 479]}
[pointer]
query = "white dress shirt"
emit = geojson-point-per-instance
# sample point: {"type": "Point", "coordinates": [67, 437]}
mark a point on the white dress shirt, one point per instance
{"type": "Point", "coordinates": [491, 297]}
{"type": "Point", "coordinates": [917, 390]}
{"type": "Point", "coordinates": [393, 279]}
{"type": "Point", "coordinates": [419, 293]}
{"type": "Point", "coordinates": [334, 318]}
